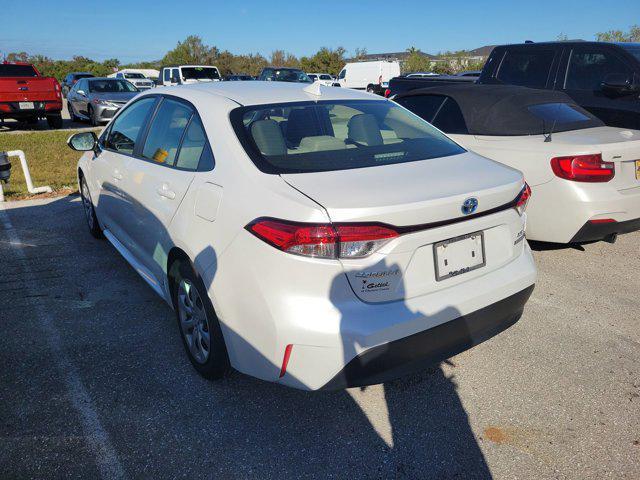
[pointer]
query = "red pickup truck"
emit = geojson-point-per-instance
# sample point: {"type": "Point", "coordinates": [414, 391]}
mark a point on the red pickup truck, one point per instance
{"type": "Point", "coordinates": [27, 95]}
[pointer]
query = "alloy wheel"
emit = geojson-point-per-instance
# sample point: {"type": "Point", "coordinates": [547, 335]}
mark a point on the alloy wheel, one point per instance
{"type": "Point", "coordinates": [193, 321]}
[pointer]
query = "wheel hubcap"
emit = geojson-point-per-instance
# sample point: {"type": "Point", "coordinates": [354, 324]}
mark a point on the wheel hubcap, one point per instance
{"type": "Point", "coordinates": [193, 321]}
{"type": "Point", "coordinates": [86, 203]}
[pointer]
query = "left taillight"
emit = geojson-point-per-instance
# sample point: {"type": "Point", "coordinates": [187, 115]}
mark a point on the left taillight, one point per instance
{"type": "Point", "coordinates": [322, 240]}
{"type": "Point", "coordinates": [523, 198]}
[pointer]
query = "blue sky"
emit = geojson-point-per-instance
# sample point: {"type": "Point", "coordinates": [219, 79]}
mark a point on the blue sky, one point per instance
{"type": "Point", "coordinates": [133, 30]}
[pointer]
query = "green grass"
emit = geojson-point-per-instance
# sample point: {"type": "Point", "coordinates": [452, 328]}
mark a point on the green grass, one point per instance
{"type": "Point", "coordinates": [51, 161]}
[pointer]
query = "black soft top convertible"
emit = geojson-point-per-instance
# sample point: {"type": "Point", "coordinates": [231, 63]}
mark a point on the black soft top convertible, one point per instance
{"type": "Point", "coordinates": [497, 110]}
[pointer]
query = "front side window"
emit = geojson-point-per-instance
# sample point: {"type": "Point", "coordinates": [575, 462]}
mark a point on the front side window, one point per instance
{"type": "Point", "coordinates": [111, 86]}
{"type": "Point", "coordinates": [336, 135]}
{"type": "Point", "coordinates": [588, 68]}
{"type": "Point", "coordinates": [126, 127]}
{"type": "Point", "coordinates": [165, 132]}
{"type": "Point", "coordinates": [528, 68]}
{"type": "Point", "coordinates": [166, 75]}
{"type": "Point", "coordinates": [343, 74]}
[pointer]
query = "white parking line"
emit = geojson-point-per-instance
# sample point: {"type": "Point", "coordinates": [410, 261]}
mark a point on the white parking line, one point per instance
{"type": "Point", "coordinates": [96, 436]}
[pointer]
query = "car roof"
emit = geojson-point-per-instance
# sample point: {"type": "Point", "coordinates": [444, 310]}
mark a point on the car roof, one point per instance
{"type": "Point", "coordinates": [503, 109]}
{"type": "Point", "coordinates": [261, 93]}
{"type": "Point", "coordinates": [564, 43]}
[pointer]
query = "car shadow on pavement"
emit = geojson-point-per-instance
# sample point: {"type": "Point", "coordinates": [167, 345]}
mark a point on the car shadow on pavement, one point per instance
{"type": "Point", "coordinates": [165, 421]}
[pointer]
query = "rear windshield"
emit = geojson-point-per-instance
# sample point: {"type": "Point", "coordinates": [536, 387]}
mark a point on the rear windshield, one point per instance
{"type": "Point", "coordinates": [111, 86]}
{"type": "Point", "coordinates": [560, 113]}
{"type": "Point", "coordinates": [134, 75]}
{"type": "Point", "coordinates": [17, 71]}
{"type": "Point", "coordinates": [286, 75]}
{"type": "Point", "coordinates": [336, 135]}
{"type": "Point", "coordinates": [200, 73]}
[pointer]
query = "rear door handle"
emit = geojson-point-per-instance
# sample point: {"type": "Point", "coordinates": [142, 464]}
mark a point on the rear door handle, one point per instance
{"type": "Point", "coordinates": [164, 191]}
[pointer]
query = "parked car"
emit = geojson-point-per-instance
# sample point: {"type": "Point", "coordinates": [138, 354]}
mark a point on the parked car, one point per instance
{"type": "Point", "coordinates": [325, 239]}
{"type": "Point", "coordinates": [284, 74]}
{"type": "Point", "coordinates": [70, 80]}
{"type": "Point", "coordinates": [421, 74]}
{"type": "Point", "coordinates": [98, 99]}
{"type": "Point", "coordinates": [585, 176]}
{"type": "Point", "coordinates": [26, 95]}
{"type": "Point", "coordinates": [603, 78]}
{"type": "Point", "coordinates": [186, 74]}
{"type": "Point", "coordinates": [371, 76]}
{"type": "Point", "coordinates": [138, 79]}
{"type": "Point", "coordinates": [469, 73]}
{"type": "Point", "coordinates": [324, 79]}
{"type": "Point", "coordinates": [238, 78]}
{"type": "Point", "coordinates": [402, 84]}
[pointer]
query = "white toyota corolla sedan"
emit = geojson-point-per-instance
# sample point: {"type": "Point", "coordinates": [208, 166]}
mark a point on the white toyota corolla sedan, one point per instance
{"type": "Point", "coordinates": [585, 176]}
{"type": "Point", "coordinates": [313, 236]}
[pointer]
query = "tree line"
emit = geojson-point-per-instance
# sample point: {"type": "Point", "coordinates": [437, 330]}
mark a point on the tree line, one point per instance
{"type": "Point", "coordinates": [193, 50]}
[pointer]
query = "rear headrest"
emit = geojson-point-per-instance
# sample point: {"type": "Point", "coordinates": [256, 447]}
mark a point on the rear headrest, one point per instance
{"type": "Point", "coordinates": [307, 122]}
{"type": "Point", "coordinates": [363, 129]}
{"type": "Point", "coordinates": [268, 137]}
{"type": "Point", "coordinates": [322, 143]}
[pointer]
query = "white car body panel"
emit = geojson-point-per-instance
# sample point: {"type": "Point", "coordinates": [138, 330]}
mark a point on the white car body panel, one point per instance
{"type": "Point", "coordinates": [559, 207]}
{"type": "Point", "coordinates": [359, 75]}
{"type": "Point", "coordinates": [267, 299]}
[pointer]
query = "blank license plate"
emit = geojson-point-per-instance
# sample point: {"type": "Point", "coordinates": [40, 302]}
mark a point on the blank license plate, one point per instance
{"type": "Point", "coordinates": [25, 105]}
{"type": "Point", "coordinates": [459, 255]}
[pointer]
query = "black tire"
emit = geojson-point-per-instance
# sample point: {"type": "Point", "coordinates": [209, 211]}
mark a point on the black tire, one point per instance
{"type": "Point", "coordinates": [89, 210]}
{"type": "Point", "coordinates": [72, 115]}
{"type": "Point", "coordinates": [216, 365]}
{"type": "Point", "coordinates": [32, 120]}
{"type": "Point", "coordinates": [54, 121]}
{"type": "Point", "coordinates": [92, 117]}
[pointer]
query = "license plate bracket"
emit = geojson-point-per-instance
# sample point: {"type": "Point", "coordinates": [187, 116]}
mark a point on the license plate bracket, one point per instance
{"type": "Point", "coordinates": [459, 255]}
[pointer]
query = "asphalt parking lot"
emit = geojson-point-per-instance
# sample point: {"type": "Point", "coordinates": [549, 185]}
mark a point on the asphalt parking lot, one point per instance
{"type": "Point", "coordinates": [95, 383]}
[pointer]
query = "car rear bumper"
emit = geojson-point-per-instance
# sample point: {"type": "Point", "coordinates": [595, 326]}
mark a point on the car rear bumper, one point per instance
{"type": "Point", "coordinates": [561, 211]}
{"type": "Point", "coordinates": [41, 108]}
{"type": "Point", "coordinates": [420, 350]}
{"type": "Point", "coordinates": [591, 232]}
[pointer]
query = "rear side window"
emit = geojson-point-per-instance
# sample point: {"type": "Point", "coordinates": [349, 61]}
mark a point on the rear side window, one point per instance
{"type": "Point", "coordinates": [528, 68]}
{"type": "Point", "coordinates": [192, 147]}
{"type": "Point", "coordinates": [440, 111]}
{"type": "Point", "coordinates": [336, 135]}
{"type": "Point", "coordinates": [166, 74]}
{"type": "Point", "coordinates": [165, 133]}
{"type": "Point", "coordinates": [587, 69]}
{"type": "Point", "coordinates": [126, 127]}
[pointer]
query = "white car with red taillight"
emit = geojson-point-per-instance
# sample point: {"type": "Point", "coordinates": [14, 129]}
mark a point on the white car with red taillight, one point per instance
{"type": "Point", "coordinates": [313, 236]}
{"type": "Point", "coordinates": [585, 176]}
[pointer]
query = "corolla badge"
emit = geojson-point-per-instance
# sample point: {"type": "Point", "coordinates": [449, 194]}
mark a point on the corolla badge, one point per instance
{"type": "Point", "coordinates": [470, 205]}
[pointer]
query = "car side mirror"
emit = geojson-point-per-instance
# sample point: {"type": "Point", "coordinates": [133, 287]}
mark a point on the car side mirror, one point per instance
{"type": "Point", "coordinates": [83, 141]}
{"type": "Point", "coordinates": [81, 92]}
{"type": "Point", "coordinates": [619, 84]}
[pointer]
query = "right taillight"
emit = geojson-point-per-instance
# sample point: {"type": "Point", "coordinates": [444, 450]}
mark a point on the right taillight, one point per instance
{"type": "Point", "coordinates": [322, 240]}
{"type": "Point", "coordinates": [583, 168]}
{"type": "Point", "coordinates": [523, 198]}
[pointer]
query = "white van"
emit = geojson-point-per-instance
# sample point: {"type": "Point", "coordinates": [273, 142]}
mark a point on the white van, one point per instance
{"type": "Point", "coordinates": [370, 76]}
{"type": "Point", "coordinates": [186, 74]}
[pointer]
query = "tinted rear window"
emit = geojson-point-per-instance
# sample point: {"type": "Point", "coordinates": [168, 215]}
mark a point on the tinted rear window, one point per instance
{"type": "Point", "coordinates": [17, 71]}
{"type": "Point", "coordinates": [336, 135]}
{"type": "Point", "coordinates": [560, 113]}
{"type": "Point", "coordinates": [526, 68]}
